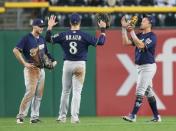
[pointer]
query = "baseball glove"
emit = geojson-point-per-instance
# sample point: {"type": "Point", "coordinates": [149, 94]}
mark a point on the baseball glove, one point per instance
{"type": "Point", "coordinates": [104, 17]}
{"type": "Point", "coordinates": [41, 61]}
{"type": "Point", "coordinates": [133, 21]}
{"type": "Point", "coordinates": [48, 63]}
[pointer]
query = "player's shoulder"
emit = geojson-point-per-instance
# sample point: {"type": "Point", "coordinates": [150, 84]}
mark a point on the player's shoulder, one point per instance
{"type": "Point", "coordinates": [84, 34]}
{"type": "Point", "coordinates": [78, 32]}
{"type": "Point", "coordinates": [63, 33]}
{"type": "Point", "coordinates": [148, 35]}
{"type": "Point", "coordinates": [26, 36]}
{"type": "Point", "coordinates": [152, 35]}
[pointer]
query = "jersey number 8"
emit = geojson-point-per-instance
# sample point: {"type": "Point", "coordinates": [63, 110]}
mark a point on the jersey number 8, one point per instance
{"type": "Point", "coordinates": [73, 50]}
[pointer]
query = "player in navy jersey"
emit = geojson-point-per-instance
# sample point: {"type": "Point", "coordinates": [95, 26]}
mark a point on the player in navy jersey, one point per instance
{"type": "Point", "coordinates": [75, 45]}
{"type": "Point", "coordinates": [29, 52]}
{"type": "Point", "coordinates": [145, 44]}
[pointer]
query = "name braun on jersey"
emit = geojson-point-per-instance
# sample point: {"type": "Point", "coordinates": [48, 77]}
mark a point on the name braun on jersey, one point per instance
{"type": "Point", "coordinates": [73, 37]}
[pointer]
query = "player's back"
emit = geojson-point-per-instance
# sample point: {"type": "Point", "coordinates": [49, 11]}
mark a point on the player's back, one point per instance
{"type": "Point", "coordinates": [75, 44]}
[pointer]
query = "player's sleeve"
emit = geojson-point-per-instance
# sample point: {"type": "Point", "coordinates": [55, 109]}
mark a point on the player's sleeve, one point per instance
{"type": "Point", "coordinates": [21, 43]}
{"type": "Point", "coordinates": [91, 40]}
{"type": "Point", "coordinates": [150, 41]}
{"type": "Point", "coordinates": [57, 38]}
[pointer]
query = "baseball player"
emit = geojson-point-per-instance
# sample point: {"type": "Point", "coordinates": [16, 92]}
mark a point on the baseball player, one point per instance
{"type": "Point", "coordinates": [30, 52]}
{"type": "Point", "coordinates": [145, 44]}
{"type": "Point", "coordinates": [75, 45]}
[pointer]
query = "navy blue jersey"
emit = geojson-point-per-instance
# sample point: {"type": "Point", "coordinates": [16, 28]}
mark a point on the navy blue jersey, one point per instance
{"type": "Point", "coordinates": [75, 43]}
{"type": "Point", "coordinates": [28, 43]}
{"type": "Point", "coordinates": [146, 55]}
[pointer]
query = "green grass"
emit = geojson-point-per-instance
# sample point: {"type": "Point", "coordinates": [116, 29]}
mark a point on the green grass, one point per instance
{"type": "Point", "coordinates": [90, 124]}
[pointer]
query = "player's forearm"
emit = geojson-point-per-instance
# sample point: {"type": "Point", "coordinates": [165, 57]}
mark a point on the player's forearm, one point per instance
{"type": "Point", "coordinates": [48, 36]}
{"type": "Point", "coordinates": [101, 39]}
{"type": "Point", "coordinates": [136, 41]}
{"type": "Point", "coordinates": [49, 28]}
{"type": "Point", "coordinates": [125, 39]}
{"type": "Point", "coordinates": [19, 56]}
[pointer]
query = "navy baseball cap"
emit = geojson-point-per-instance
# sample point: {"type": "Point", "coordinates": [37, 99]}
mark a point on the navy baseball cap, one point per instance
{"type": "Point", "coordinates": [75, 18]}
{"type": "Point", "coordinates": [38, 22]}
{"type": "Point", "coordinates": [151, 19]}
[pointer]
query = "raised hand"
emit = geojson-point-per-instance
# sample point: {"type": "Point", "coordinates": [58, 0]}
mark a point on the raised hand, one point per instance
{"type": "Point", "coordinates": [51, 21]}
{"type": "Point", "coordinates": [124, 23]}
{"type": "Point", "coordinates": [102, 24]}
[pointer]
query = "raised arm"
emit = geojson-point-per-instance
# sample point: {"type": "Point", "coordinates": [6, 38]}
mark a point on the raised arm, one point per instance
{"type": "Point", "coordinates": [51, 22]}
{"type": "Point", "coordinates": [125, 39]}
{"type": "Point", "coordinates": [138, 43]}
{"type": "Point", "coordinates": [102, 37]}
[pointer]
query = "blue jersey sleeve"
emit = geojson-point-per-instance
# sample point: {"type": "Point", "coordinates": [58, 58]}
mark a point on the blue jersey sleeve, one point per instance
{"type": "Point", "coordinates": [57, 38]}
{"type": "Point", "coordinates": [93, 40]}
{"type": "Point", "coordinates": [150, 41]}
{"type": "Point", "coordinates": [21, 44]}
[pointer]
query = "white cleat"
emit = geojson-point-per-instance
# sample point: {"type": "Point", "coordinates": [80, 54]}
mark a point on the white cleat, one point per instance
{"type": "Point", "coordinates": [156, 119]}
{"type": "Point", "coordinates": [61, 120]}
{"type": "Point", "coordinates": [130, 118]}
{"type": "Point", "coordinates": [75, 121]}
{"type": "Point", "coordinates": [19, 121]}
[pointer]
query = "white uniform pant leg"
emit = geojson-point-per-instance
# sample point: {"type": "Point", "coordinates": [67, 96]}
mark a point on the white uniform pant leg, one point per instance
{"type": "Point", "coordinates": [31, 79]}
{"type": "Point", "coordinates": [150, 92]}
{"type": "Point", "coordinates": [144, 80]}
{"type": "Point", "coordinates": [78, 80]}
{"type": "Point", "coordinates": [35, 105]}
{"type": "Point", "coordinates": [66, 89]}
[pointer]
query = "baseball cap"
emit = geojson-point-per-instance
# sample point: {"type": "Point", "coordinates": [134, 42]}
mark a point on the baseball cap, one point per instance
{"type": "Point", "coordinates": [38, 22]}
{"type": "Point", "coordinates": [151, 19]}
{"type": "Point", "coordinates": [75, 18]}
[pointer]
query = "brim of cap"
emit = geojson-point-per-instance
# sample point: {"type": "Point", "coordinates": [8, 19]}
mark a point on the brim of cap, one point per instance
{"type": "Point", "coordinates": [41, 25]}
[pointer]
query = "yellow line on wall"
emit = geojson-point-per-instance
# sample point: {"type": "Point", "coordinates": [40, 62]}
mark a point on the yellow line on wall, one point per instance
{"type": "Point", "coordinates": [2, 9]}
{"type": "Point", "coordinates": [26, 4]}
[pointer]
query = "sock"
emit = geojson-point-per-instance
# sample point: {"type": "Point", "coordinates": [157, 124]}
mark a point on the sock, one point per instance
{"type": "Point", "coordinates": [153, 106]}
{"type": "Point", "coordinates": [137, 105]}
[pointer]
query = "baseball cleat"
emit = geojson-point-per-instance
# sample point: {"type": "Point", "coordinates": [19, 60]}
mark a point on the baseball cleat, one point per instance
{"type": "Point", "coordinates": [35, 121]}
{"type": "Point", "coordinates": [61, 120]}
{"type": "Point", "coordinates": [75, 121]}
{"type": "Point", "coordinates": [19, 121]}
{"type": "Point", "coordinates": [130, 118]}
{"type": "Point", "coordinates": [156, 119]}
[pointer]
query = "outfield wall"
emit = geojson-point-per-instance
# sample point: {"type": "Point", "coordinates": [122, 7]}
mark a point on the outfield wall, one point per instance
{"type": "Point", "coordinates": [109, 86]}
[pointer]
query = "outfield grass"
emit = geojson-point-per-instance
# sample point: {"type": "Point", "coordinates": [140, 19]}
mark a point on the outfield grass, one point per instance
{"type": "Point", "coordinates": [90, 124]}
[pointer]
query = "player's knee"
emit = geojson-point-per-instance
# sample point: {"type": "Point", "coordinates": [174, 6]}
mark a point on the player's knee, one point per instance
{"type": "Point", "coordinates": [140, 93]}
{"type": "Point", "coordinates": [66, 92]}
{"type": "Point", "coordinates": [28, 96]}
{"type": "Point", "coordinates": [151, 99]}
{"type": "Point", "coordinates": [139, 98]}
{"type": "Point", "coordinates": [38, 98]}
